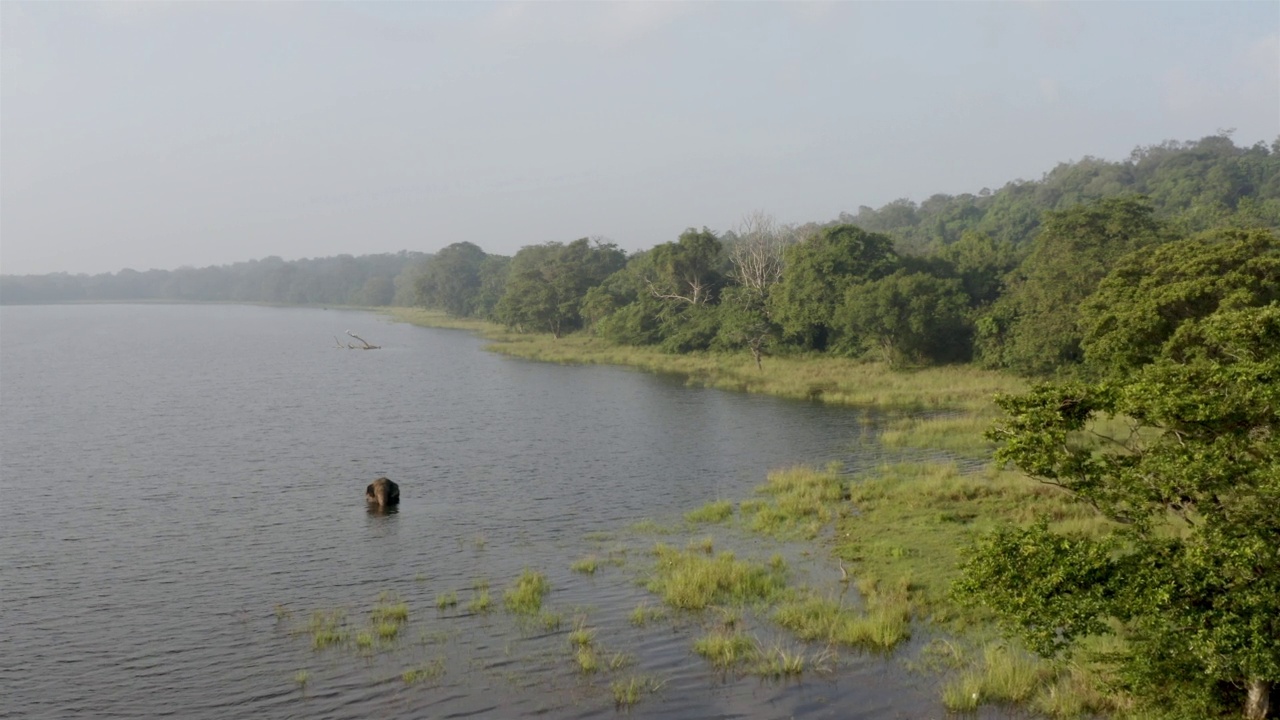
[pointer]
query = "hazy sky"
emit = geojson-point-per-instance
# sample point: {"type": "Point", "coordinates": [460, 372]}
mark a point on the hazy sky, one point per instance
{"type": "Point", "coordinates": [166, 134]}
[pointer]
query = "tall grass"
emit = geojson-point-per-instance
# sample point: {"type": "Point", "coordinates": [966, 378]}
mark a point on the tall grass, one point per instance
{"type": "Point", "coordinates": [799, 500]}
{"type": "Point", "coordinates": [713, 512]}
{"type": "Point", "coordinates": [693, 581]}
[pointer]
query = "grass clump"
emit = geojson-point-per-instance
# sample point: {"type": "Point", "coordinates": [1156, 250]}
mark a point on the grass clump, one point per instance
{"type": "Point", "coordinates": [619, 660]}
{"type": "Point", "coordinates": [326, 628]}
{"type": "Point", "coordinates": [706, 545]}
{"type": "Point", "coordinates": [691, 581]}
{"type": "Point", "coordinates": [365, 640]}
{"type": "Point", "coordinates": [801, 500]}
{"type": "Point", "coordinates": [302, 677]}
{"type": "Point", "coordinates": [480, 602]}
{"type": "Point", "coordinates": [587, 565]}
{"type": "Point", "coordinates": [713, 512]}
{"type": "Point", "coordinates": [643, 614]}
{"type": "Point", "coordinates": [525, 597]}
{"type": "Point", "coordinates": [588, 661]}
{"type": "Point", "coordinates": [779, 662]}
{"type": "Point", "coordinates": [629, 691]}
{"type": "Point", "coordinates": [427, 671]}
{"type": "Point", "coordinates": [581, 635]}
{"type": "Point", "coordinates": [550, 621]}
{"type": "Point", "coordinates": [390, 608]}
{"type": "Point", "coordinates": [881, 627]}
{"type": "Point", "coordinates": [447, 600]}
{"type": "Point", "coordinates": [727, 648]}
{"type": "Point", "coordinates": [386, 630]}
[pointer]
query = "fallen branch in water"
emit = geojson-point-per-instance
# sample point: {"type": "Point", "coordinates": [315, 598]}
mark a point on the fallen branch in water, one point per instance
{"type": "Point", "coordinates": [352, 346]}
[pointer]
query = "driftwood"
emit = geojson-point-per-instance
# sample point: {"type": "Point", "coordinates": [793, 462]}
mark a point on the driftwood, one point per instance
{"type": "Point", "coordinates": [352, 346]}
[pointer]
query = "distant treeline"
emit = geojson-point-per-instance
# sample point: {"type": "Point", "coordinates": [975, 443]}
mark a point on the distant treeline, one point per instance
{"type": "Point", "coordinates": [342, 280]}
{"type": "Point", "coordinates": [1001, 277]}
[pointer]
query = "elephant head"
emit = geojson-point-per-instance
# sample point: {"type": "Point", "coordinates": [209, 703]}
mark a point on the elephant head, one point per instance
{"type": "Point", "coordinates": [383, 493]}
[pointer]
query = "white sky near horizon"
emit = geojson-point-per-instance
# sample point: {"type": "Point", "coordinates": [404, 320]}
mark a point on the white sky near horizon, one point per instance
{"type": "Point", "coordinates": [166, 134]}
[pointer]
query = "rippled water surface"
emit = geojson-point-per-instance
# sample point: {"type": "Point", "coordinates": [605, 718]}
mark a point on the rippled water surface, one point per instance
{"type": "Point", "coordinates": [183, 487]}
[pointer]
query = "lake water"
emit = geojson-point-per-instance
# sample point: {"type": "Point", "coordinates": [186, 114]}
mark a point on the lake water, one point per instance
{"type": "Point", "coordinates": [181, 487]}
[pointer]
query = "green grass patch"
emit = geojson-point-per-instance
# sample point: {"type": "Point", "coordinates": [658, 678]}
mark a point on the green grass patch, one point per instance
{"type": "Point", "coordinates": [480, 601]}
{"type": "Point", "coordinates": [581, 635]}
{"type": "Point", "coordinates": [587, 565]}
{"type": "Point", "coordinates": [643, 614]}
{"type": "Point", "coordinates": [713, 512]}
{"type": "Point", "coordinates": [727, 648]}
{"type": "Point", "coordinates": [629, 691]}
{"type": "Point", "coordinates": [447, 600]}
{"type": "Point", "coordinates": [882, 626]}
{"type": "Point", "coordinates": [779, 662]}
{"type": "Point", "coordinates": [799, 501]}
{"type": "Point", "coordinates": [327, 628]}
{"type": "Point", "coordinates": [302, 677]}
{"type": "Point", "coordinates": [693, 581]}
{"type": "Point", "coordinates": [587, 660]}
{"type": "Point", "coordinates": [959, 433]}
{"type": "Point", "coordinates": [430, 670]}
{"type": "Point", "coordinates": [705, 545]}
{"type": "Point", "coordinates": [525, 597]}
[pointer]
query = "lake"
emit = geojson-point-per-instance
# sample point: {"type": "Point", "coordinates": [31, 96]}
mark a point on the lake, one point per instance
{"type": "Point", "coordinates": [183, 488]}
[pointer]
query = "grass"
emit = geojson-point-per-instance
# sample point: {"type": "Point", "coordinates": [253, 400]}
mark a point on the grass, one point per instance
{"type": "Point", "coordinates": [692, 581]}
{"type": "Point", "coordinates": [588, 661]}
{"type": "Point", "coordinates": [727, 648]}
{"type": "Point", "coordinates": [480, 602]}
{"type": "Point", "coordinates": [706, 545]}
{"type": "Point", "coordinates": [797, 501]}
{"type": "Point", "coordinates": [550, 621]}
{"type": "Point", "coordinates": [447, 600]}
{"type": "Point", "coordinates": [302, 677]}
{"type": "Point", "coordinates": [648, 526]}
{"type": "Point", "coordinates": [428, 671]}
{"type": "Point", "coordinates": [587, 565]}
{"type": "Point", "coordinates": [778, 662]}
{"type": "Point", "coordinates": [833, 380]}
{"type": "Point", "coordinates": [643, 614]}
{"type": "Point", "coordinates": [525, 597]}
{"type": "Point", "coordinates": [629, 691]}
{"type": "Point", "coordinates": [882, 626]}
{"type": "Point", "coordinates": [581, 635]}
{"type": "Point", "coordinates": [619, 660]}
{"type": "Point", "coordinates": [713, 512]}
{"type": "Point", "coordinates": [326, 628]}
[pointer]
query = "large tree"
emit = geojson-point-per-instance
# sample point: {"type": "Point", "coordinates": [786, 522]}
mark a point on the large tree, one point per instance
{"type": "Point", "coordinates": [546, 284]}
{"type": "Point", "coordinates": [1189, 573]}
{"type": "Point", "coordinates": [818, 273]}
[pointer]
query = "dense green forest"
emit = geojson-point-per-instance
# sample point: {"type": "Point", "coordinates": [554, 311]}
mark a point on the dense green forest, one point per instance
{"type": "Point", "coordinates": [1001, 278]}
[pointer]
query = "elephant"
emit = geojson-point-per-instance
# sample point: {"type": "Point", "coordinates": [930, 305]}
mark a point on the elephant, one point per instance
{"type": "Point", "coordinates": [383, 493]}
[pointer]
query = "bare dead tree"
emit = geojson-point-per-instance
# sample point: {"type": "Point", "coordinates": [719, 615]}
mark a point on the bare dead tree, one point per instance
{"type": "Point", "coordinates": [757, 254]}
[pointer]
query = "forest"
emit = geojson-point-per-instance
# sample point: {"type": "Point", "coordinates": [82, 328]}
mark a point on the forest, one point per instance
{"type": "Point", "coordinates": [999, 278]}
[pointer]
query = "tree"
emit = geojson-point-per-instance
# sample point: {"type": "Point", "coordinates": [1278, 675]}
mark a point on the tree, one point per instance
{"type": "Point", "coordinates": [686, 270]}
{"type": "Point", "coordinates": [1034, 328]}
{"type": "Point", "coordinates": [907, 317]}
{"type": "Point", "coordinates": [546, 284]}
{"type": "Point", "coordinates": [1151, 293]}
{"type": "Point", "coordinates": [1189, 570]}
{"type": "Point", "coordinates": [450, 281]}
{"type": "Point", "coordinates": [819, 271]}
{"type": "Point", "coordinates": [756, 260]}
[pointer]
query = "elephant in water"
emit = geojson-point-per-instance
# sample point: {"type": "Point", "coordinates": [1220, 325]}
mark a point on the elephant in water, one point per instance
{"type": "Point", "coordinates": [383, 493]}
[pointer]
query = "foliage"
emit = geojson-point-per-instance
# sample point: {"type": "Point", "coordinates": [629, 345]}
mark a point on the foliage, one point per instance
{"type": "Point", "coordinates": [451, 280]}
{"type": "Point", "coordinates": [1192, 576]}
{"type": "Point", "coordinates": [1139, 306]}
{"type": "Point", "coordinates": [547, 284]}
{"type": "Point", "coordinates": [1034, 327]}
{"type": "Point", "coordinates": [907, 318]}
{"type": "Point", "coordinates": [819, 272]}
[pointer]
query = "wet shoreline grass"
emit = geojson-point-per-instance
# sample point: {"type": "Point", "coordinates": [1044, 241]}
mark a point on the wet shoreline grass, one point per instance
{"type": "Point", "coordinates": [832, 380]}
{"type": "Point", "coordinates": [897, 533]}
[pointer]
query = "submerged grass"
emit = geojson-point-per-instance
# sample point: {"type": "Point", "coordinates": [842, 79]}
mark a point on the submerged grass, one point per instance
{"type": "Point", "coordinates": [430, 670]}
{"type": "Point", "coordinates": [693, 581]}
{"type": "Point", "coordinates": [587, 565]}
{"type": "Point", "coordinates": [881, 626]}
{"type": "Point", "coordinates": [628, 691]}
{"type": "Point", "coordinates": [525, 596]}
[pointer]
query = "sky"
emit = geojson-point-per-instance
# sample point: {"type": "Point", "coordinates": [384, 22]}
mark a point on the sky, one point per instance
{"type": "Point", "coordinates": [166, 134]}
